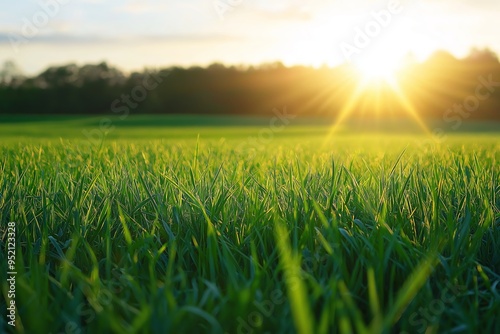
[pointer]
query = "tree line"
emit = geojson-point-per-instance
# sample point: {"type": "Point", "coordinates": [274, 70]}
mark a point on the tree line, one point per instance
{"type": "Point", "coordinates": [433, 87]}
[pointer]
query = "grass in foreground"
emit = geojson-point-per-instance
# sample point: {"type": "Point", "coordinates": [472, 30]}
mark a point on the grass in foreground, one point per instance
{"type": "Point", "coordinates": [367, 235]}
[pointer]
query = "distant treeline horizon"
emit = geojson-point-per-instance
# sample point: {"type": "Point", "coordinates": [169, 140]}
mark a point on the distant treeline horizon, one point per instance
{"type": "Point", "coordinates": [442, 87]}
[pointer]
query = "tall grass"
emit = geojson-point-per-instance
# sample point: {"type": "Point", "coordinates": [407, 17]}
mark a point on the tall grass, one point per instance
{"type": "Point", "coordinates": [367, 235]}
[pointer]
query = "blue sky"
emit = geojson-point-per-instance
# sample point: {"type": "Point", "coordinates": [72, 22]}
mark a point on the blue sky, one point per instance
{"type": "Point", "coordinates": [134, 34]}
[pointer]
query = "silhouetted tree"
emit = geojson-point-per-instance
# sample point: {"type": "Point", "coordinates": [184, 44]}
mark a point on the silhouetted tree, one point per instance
{"type": "Point", "coordinates": [10, 74]}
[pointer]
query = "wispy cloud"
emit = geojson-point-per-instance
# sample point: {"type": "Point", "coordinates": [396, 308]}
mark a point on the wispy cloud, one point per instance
{"type": "Point", "coordinates": [288, 14]}
{"type": "Point", "coordinates": [6, 37]}
{"type": "Point", "coordinates": [141, 7]}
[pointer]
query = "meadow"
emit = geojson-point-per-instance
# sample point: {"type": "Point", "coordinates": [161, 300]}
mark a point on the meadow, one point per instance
{"type": "Point", "coordinates": [169, 227]}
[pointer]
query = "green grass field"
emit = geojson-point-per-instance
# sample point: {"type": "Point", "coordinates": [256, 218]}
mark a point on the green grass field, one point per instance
{"type": "Point", "coordinates": [209, 228]}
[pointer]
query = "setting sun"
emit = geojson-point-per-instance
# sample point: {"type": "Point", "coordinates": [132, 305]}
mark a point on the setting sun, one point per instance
{"type": "Point", "coordinates": [377, 68]}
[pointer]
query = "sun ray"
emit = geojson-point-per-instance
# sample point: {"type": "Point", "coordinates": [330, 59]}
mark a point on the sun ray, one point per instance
{"type": "Point", "coordinates": [324, 97]}
{"type": "Point", "coordinates": [409, 108]}
{"type": "Point", "coordinates": [345, 111]}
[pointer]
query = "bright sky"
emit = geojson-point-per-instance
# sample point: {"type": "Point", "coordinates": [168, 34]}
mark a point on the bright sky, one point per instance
{"type": "Point", "coordinates": [133, 34]}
